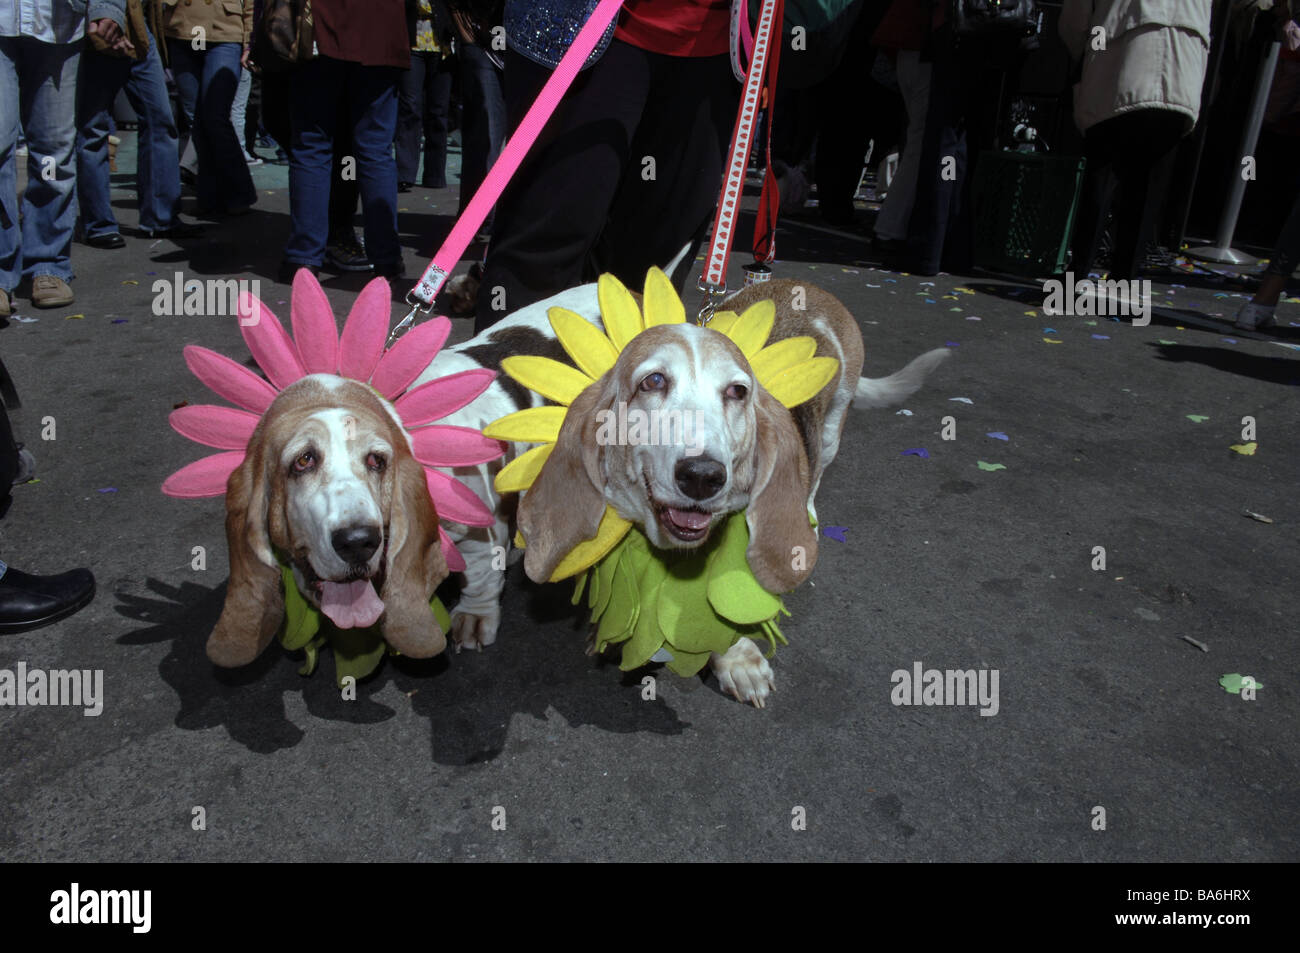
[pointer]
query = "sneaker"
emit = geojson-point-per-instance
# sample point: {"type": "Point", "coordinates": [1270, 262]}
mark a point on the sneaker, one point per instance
{"type": "Point", "coordinates": [347, 254]}
{"type": "Point", "coordinates": [1255, 317]}
{"type": "Point", "coordinates": [49, 291]}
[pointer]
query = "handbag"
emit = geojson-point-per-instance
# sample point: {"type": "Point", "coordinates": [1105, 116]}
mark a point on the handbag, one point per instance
{"type": "Point", "coordinates": [995, 18]}
{"type": "Point", "coordinates": [136, 31]}
{"type": "Point", "coordinates": [287, 33]}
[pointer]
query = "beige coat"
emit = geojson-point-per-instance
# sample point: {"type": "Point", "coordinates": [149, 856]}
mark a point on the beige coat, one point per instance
{"type": "Point", "coordinates": [223, 21]}
{"type": "Point", "coordinates": [1147, 54]}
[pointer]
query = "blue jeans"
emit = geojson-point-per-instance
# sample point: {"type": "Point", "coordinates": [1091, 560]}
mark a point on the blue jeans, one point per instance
{"type": "Point", "coordinates": [483, 123]}
{"type": "Point", "coordinates": [317, 87]}
{"type": "Point", "coordinates": [207, 80]}
{"type": "Point", "coordinates": [38, 84]}
{"type": "Point", "coordinates": [423, 106]}
{"type": "Point", "coordinates": [157, 172]}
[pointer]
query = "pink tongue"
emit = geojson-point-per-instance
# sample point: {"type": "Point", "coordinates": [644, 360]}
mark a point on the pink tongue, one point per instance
{"type": "Point", "coordinates": [688, 519]}
{"type": "Point", "coordinates": [351, 605]}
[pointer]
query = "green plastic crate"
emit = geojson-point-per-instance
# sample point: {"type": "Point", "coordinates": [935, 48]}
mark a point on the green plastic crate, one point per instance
{"type": "Point", "coordinates": [1024, 211]}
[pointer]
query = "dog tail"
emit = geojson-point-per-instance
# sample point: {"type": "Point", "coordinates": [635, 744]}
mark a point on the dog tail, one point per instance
{"type": "Point", "coordinates": [897, 387]}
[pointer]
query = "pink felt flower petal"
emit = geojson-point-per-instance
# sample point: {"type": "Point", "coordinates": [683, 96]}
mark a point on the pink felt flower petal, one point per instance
{"type": "Point", "coordinates": [455, 561]}
{"type": "Point", "coordinates": [222, 427]}
{"type": "Point", "coordinates": [229, 379]}
{"type": "Point", "coordinates": [435, 399]}
{"type": "Point", "coordinates": [362, 343]}
{"type": "Point", "coordinates": [270, 344]}
{"type": "Point", "coordinates": [408, 358]}
{"type": "Point", "coordinates": [455, 501]}
{"type": "Point", "coordinates": [445, 446]}
{"type": "Point", "coordinates": [314, 332]}
{"type": "Point", "coordinates": [206, 477]}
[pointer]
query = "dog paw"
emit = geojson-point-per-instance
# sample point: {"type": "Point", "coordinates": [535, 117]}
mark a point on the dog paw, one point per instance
{"type": "Point", "coordinates": [744, 673]}
{"type": "Point", "coordinates": [471, 630]}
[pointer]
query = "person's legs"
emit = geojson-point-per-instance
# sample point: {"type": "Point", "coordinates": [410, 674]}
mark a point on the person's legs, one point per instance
{"type": "Point", "coordinates": [552, 213]}
{"type": "Point", "coordinates": [437, 116]}
{"type": "Point", "coordinates": [372, 99]}
{"type": "Point", "coordinates": [158, 176]}
{"type": "Point", "coordinates": [99, 80]}
{"type": "Point", "coordinates": [1148, 138]}
{"type": "Point", "coordinates": [11, 255]}
{"type": "Point", "coordinates": [483, 122]}
{"type": "Point", "coordinates": [239, 108]}
{"type": "Point", "coordinates": [692, 104]}
{"type": "Point", "coordinates": [410, 105]}
{"type": "Point", "coordinates": [914, 82]}
{"type": "Point", "coordinates": [941, 170]}
{"type": "Point", "coordinates": [47, 101]}
{"type": "Point", "coordinates": [224, 180]}
{"type": "Point", "coordinates": [315, 89]}
{"type": "Point", "coordinates": [1099, 147]}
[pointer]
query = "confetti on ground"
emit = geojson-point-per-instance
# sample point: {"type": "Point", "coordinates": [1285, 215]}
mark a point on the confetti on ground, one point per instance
{"type": "Point", "coordinates": [1091, 324]}
{"type": "Point", "coordinates": [990, 466]}
{"type": "Point", "coordinates": [972, 317]}
{"type": "Point", "coordinates": [965, 291]}
{"type": "Point", "coordinates": [1245, 449]}
{"type": "Point", "coordinates": [1032, 314]}
{"type": "Point", "coordinates": [107, 489]}
{"type": "Point", "coordinates": [1052, 341]}
{"type": "Point", "coordinates": [1231, 340]}
{"type": "Point", "coordinates": [24, 320]}
{"type": "Point", "coordinates": [1234, 683]}
{"type": "Point", "coordinates": [902, 413]}
{"type": "Point", "coordinates": [1258, 517]}
{"type": "Point", "coordinates": [1164, 342]}
{"type": "Point", "coordinates": [119, 320]}
{"type": "Point", "coordinates": [951, 344]}
{"type": "Point", "coordinates": [1050, 331]}
{"type": "Point", "coordinates": [962, 400]}
{"type": "Point", "coordinates": [997, 435]}
{"type": "Point", "coordinates": [870, 285]}
{"type": "Point", "coordinates": [836, 533]}
{"type": "Point", "coordinates": [130, 281]}
{"type": "Point", "coordinates": [74, 317]}
{"type": "Point", "coordinates": [1196, 642]}
{"type": "Point", "coordinates": [1101, 337]}
{"type": "Point", "coordinates": [921, 452]}
{"type": "Point", "coordinates": [1197, 418]}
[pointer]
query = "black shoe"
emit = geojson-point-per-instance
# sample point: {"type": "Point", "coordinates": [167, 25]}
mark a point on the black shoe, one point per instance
{"type": "Point", "coordinates": [405, 186]}
{"type": "Point", "coordinates": [346, 255]}
{"type": "Point", "coordinates": [177, 230]}
{"type": "Point", "coordinates": [290, 268]}
{"type": "Point", "coordinates": [29, 602]}
{"type": "Point", "coordinates": [108, 240]}
{"type": "Point", "coordinates": [393, 271]}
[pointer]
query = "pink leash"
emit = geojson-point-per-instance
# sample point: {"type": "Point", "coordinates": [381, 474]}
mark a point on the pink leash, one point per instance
{"type": "Point", "coordinates": [422, 296]}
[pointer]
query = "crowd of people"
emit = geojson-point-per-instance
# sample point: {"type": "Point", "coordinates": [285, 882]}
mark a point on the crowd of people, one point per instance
{"type": "Point", "coordinates": [358, 98]}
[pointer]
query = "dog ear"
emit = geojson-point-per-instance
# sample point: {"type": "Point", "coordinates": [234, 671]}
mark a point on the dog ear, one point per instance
{"type": "Point", "coordinates": [254, 605]}
{"type": "Point", "coordinates": [415, 561]}
{"type": "Point", "coordinates": [565, 504]}
{"type": "Point", "coordinates": [782, 544]}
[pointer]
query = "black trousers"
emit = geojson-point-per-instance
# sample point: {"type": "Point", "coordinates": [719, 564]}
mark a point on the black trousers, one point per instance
{"type": "Point", "coordinates": [424, 109]}
{"type": "Point", "coordinates": [1130, 158]}
{"type": "Point", "coordinates": [625, 174]}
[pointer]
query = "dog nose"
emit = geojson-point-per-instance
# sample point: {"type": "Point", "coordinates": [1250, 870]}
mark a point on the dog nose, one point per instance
{"type": "Point", "coordinates": [356, 544]}
{"type": "Point", "coordinates": [699, 477]}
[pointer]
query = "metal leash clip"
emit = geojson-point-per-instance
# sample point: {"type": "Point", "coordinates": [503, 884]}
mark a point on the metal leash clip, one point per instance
{"type": "Point", "coordinates": [713, 295]}
{"type": "Point", "coordinates": [421, 299]}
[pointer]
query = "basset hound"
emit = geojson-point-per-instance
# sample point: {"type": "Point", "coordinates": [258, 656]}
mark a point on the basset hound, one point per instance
{"type": "Point", "coordinates": [330, 486]}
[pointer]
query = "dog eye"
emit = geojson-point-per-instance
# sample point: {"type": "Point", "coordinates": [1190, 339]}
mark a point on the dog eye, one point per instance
{"type": "Point", "coordinates": [377, 462]}
{"type": "Point", "coordinates": [655, 381]}
{"type": "Point", "coordinates": [736, 392]}
{"type": "Point", "coordinates": [306, 460]}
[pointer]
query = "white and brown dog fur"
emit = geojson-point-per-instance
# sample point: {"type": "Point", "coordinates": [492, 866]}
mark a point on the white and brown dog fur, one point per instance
{"type": "Point", "coordinates": [748, 452]}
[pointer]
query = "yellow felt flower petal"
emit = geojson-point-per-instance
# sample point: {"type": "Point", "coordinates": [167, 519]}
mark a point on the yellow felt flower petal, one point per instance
{"type": "Point", "coordinates": [584, 342]}
{"type": "Point", "coordinates": [722, 321]}
{"type": "Point", "coordinates": [752, 328]}
{"type": "Point", "coordinates": [619, 311]}
{"type": "Point", "coordinates": [612, 529]}
{"type": "Point", "coordinates": [662, 306]}
{"type": "Point", "coordinates": [801, 382]}
{"type": "Point", "coordinates": [533, 425]}
{"type": "Point", "coordinates": [548, 377]}
{"type": "Point", "coordinates": [777, 357]}
{"type": "Point", "coordinates": [520, 472]}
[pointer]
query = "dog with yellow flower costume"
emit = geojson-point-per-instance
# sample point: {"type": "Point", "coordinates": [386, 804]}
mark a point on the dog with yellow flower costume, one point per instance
{"type": "Point", "coordinates": [682, 551]}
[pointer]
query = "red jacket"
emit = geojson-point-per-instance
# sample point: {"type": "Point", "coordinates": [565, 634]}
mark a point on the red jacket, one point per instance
{"type": "Point", "coordinates": [677, 27]}
{"type": "Point", "coordinates": [370, 32]}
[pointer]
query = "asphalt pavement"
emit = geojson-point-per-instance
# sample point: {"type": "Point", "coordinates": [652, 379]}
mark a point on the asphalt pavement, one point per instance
{"type": "Point", "coordinates": [1112, 740]}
